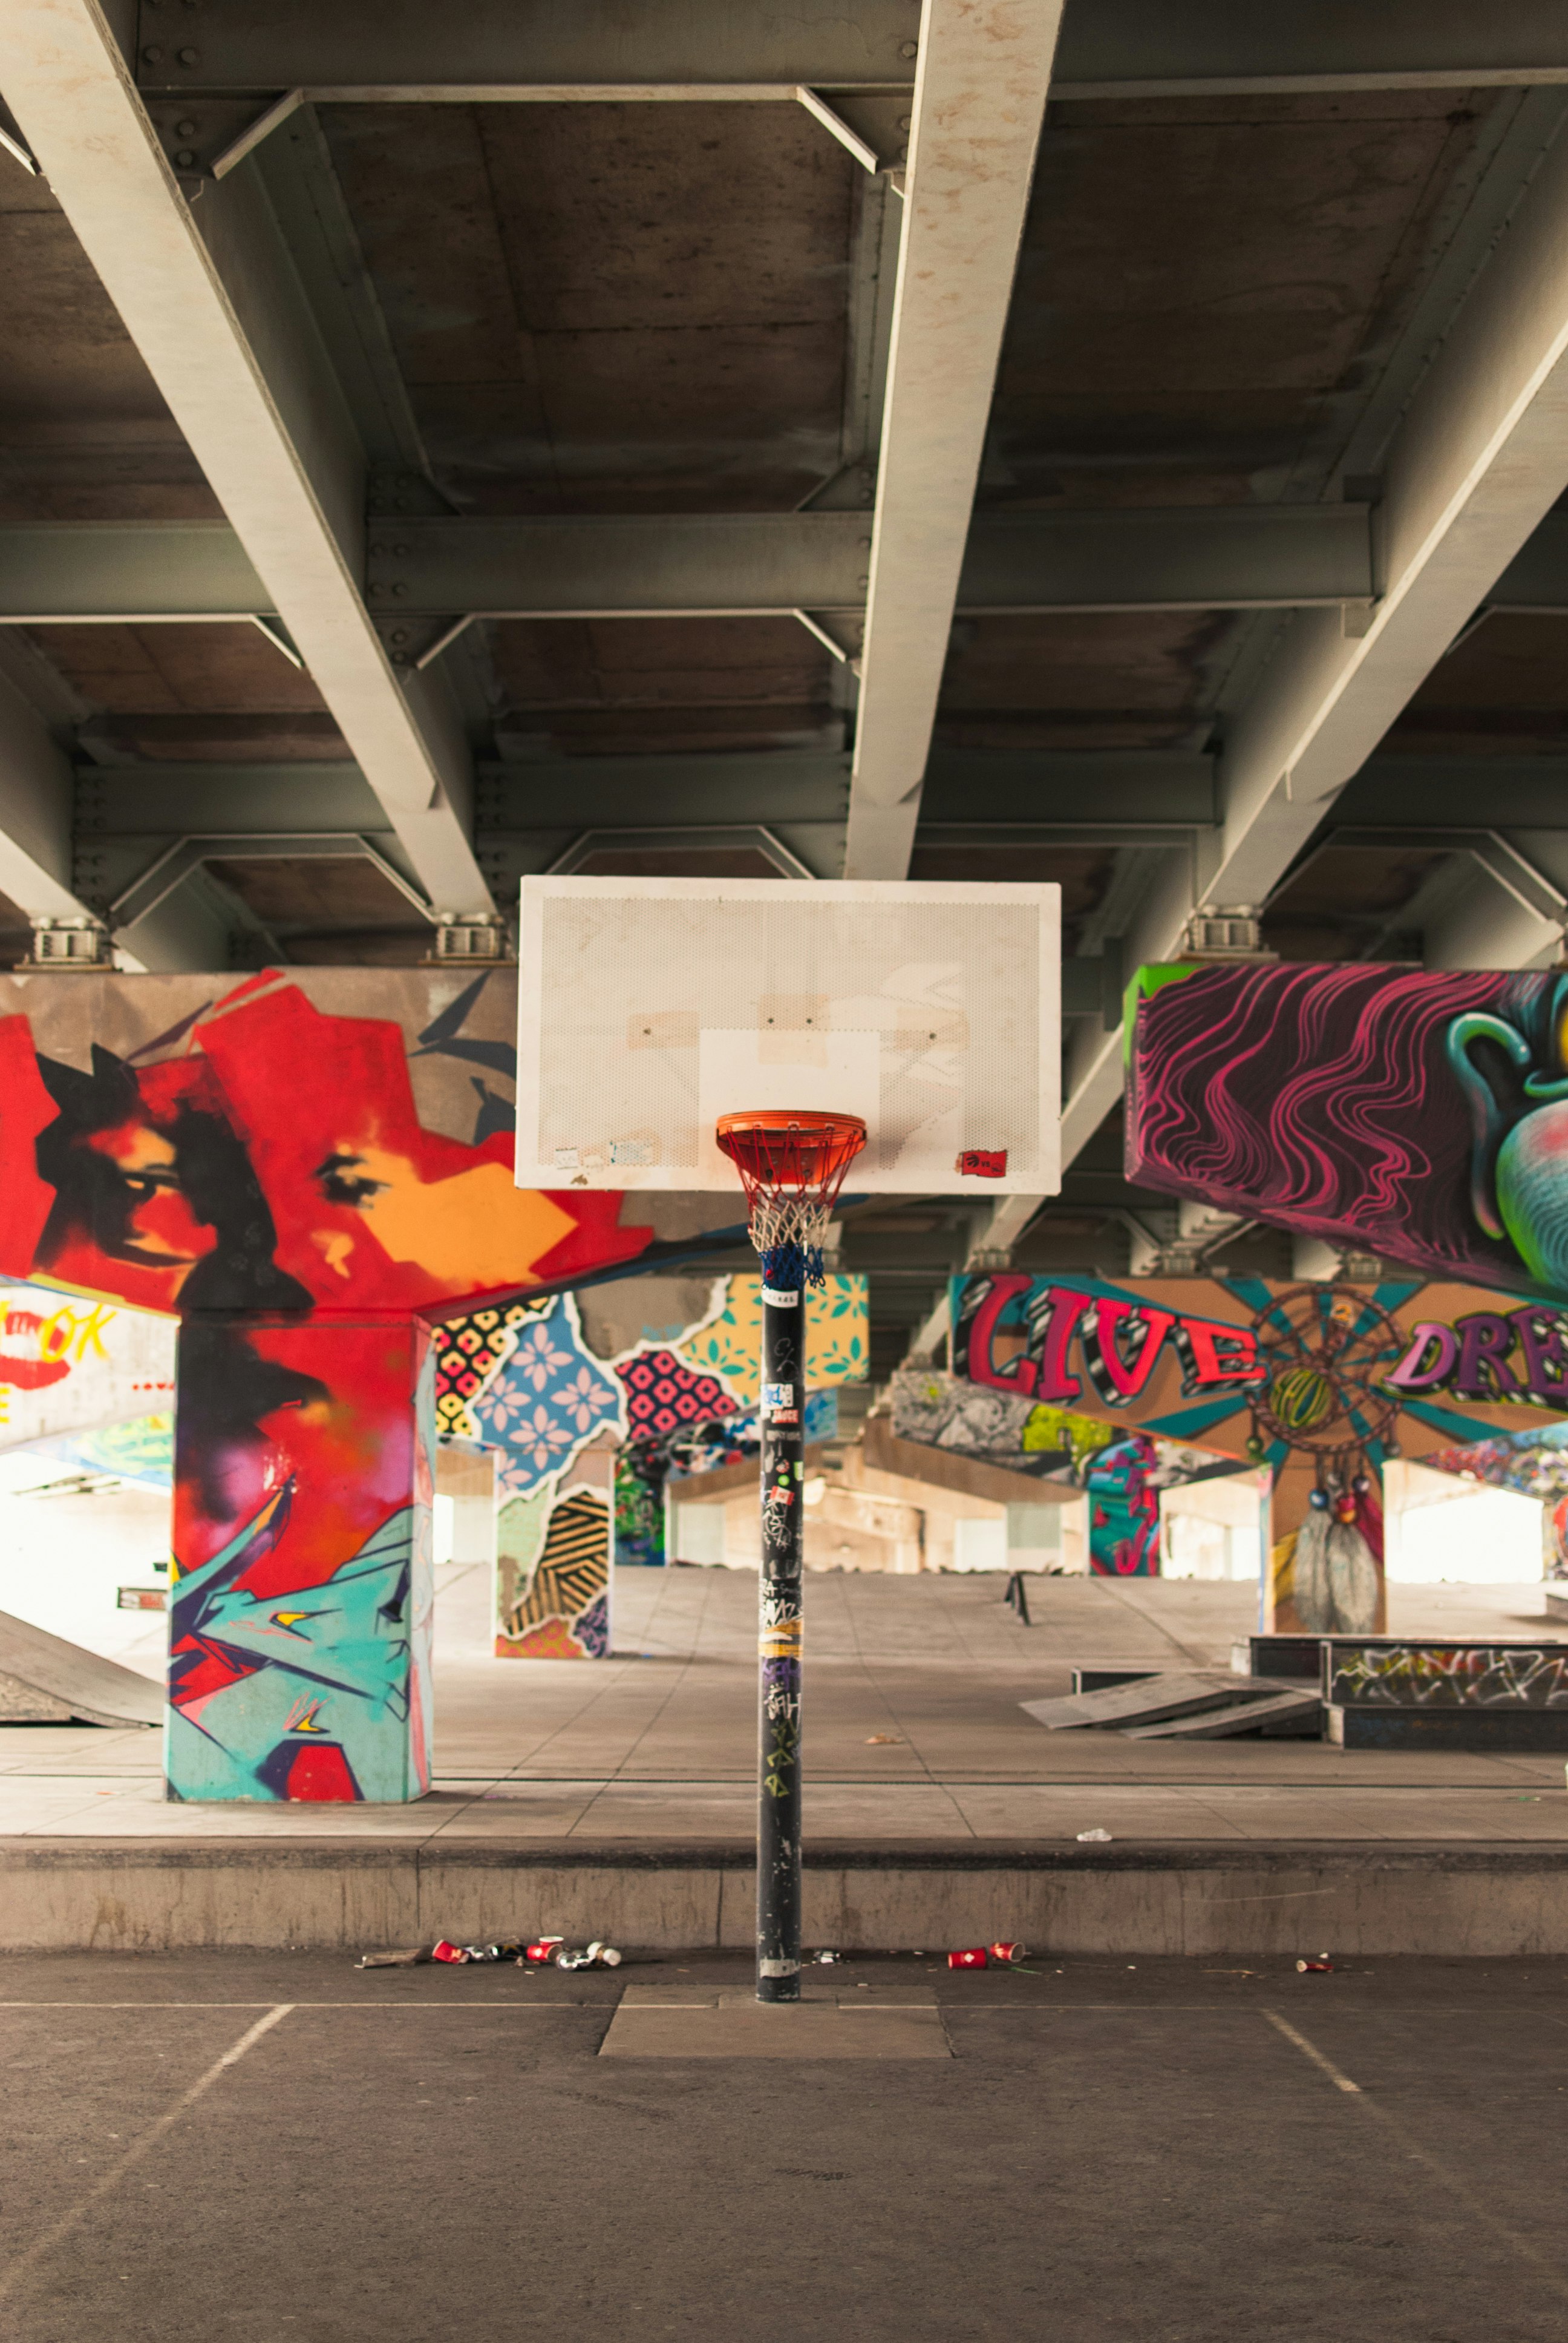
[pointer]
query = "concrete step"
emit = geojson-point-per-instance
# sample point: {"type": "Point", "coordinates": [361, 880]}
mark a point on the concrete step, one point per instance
{"type": "Point", "coordinates": [360, 1894]}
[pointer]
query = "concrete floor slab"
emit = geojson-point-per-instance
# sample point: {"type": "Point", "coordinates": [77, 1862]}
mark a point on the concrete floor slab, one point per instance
{"type": "Point", "coordinates": [1115, 2149]}
{"type": "Point", "coordinates": [657, 2022]}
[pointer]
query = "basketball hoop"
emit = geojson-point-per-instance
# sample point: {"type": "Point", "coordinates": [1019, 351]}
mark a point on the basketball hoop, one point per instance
{"type": "Point", "coordinates": [791, 1167]}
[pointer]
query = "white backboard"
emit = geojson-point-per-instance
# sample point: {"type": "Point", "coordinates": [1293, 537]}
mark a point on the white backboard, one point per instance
{"type": "Point", "coordinates": [649, 1007]}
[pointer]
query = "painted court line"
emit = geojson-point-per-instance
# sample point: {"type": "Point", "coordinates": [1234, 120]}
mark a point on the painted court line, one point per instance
{"type": "Point", "coordinates": [1281, 2025]}
{"type": "Point", "coordinates": [444, 2007]}
{"type": "Point", "coordinates": [13, 2274]}
{"type": "Point", "coordinates": [1456, 2187]}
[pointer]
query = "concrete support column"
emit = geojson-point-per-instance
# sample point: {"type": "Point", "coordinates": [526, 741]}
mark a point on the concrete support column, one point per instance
{"type": "Point", "coordinates": [467, 1477]}
{"type": "Point", "coordinates": [1033, 1537]}
{"type": "Point", "coordinates": [300, 1605]}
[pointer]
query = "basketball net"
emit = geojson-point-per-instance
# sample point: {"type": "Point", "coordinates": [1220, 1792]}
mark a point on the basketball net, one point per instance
{"type": "Point", "coordinates": [791, 1168]}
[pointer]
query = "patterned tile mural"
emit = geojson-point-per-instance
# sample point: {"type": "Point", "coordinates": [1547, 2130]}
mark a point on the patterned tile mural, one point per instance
{"type": "Point", "coordinates": [297, 1166]}
{"type": "Point", "coordinates": [546, 1400]}
{"type": "Point", "coordinates": [584, 1440]}
{"type": "Point", "coordinates": [728, 1344]}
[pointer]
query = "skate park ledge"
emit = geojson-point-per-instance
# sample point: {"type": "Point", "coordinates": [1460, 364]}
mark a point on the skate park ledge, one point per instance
{"type": "Point", "coordinates": [65, 1894]}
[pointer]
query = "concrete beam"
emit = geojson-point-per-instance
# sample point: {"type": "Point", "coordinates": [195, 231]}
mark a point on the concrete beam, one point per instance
{"type": "Point", "coordinates": [547, 50]}
{"type": "Point", "coordinates": [219, 319]}
{"type": "Point", "coordinates": [36, 793]}
{"type": "Point", "coordinates": [1514, 792]}
{"type": "Point", "coordinates": [1479, 460]}
{"type": "Point", "coordinates": [980, 88]}
{"type": "Point", "coordinates": [553, 50]}
{"type": "Point", "coordinates": [1171, 793]}
{"type": "Point", "coordinates": [1537, 579]}
{"type": "Point", "coordinates": [1484, 921]}
{"type": "Point", "coordinates": [1143, 800]}
{"type": "Point", "coordinates": [1212, 49]}
{"type": "Point", "coordinates": [683, 565]}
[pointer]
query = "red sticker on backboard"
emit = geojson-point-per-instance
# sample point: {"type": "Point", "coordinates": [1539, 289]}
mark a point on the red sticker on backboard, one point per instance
{"type": "Point", "coordinates": [982, 1163]}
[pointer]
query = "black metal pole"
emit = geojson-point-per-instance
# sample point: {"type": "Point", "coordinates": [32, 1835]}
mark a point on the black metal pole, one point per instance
{"type": "Point", "coordinates": [779, 1644]}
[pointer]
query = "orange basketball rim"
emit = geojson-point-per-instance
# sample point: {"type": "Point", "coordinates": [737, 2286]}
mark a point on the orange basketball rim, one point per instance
{"type": "Point", "coordinates": [791, 1166]}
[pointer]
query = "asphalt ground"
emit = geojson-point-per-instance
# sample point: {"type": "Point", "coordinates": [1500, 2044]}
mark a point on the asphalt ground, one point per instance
{"type": "Point", "coordinates": [264, 2147]}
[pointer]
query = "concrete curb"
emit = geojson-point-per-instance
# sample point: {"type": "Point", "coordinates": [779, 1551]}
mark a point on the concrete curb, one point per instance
{"type": "Point", "coordinates": [64, 1895]}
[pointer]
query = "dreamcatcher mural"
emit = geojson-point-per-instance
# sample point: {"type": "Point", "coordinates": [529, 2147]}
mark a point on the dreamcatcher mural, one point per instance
{"type": "Point", "coordinates": [1320, 1383]}
{"type": "Point", "coordinates": [1324, 1354]}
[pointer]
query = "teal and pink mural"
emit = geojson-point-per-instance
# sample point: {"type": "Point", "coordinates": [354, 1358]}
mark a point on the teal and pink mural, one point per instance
{"type": "Point", "coordinates": [1420, 1116]}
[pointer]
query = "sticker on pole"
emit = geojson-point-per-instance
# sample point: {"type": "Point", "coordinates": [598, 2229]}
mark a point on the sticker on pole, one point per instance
{"type": "Point", "coordinates": [782, 1297]}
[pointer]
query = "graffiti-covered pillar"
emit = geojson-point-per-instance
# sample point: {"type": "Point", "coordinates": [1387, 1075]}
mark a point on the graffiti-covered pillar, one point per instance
{"type": "Point", "coordinates": [299, 1643]}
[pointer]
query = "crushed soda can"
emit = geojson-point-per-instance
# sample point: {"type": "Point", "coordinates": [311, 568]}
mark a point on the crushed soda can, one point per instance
{"type": "Point", "coordinates": [976, 1958]}
{"type": "Point", "coordinates": [826, 1956]}
{"type": "Point", "coordinates": [1004, 1955]}
{"type": "Point", "coordinates": [445, 1951]}
{"type": "Point", "coordinates": [596, 1955]}
{"type": "Point", "coordinates": [1318, 1967]}
{"type": "Point", "coordinates": [543, 1948]}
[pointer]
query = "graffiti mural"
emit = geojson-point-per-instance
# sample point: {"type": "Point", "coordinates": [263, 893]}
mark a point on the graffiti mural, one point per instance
{"type": "Point", "coordinates": [1532, 1463]}
{"type": "Point", "coordinates": [300, 1167]}
{"type": "Point", "coordinates": [299, 1664]}
{"type": "Point", "coordinates": [71, 1366]}
{"type": "Point", "coordinates": [1442, 1676]}
{"type": "Point", "coordinates": [142, 1450]}
{"type": "Point", "coordinates": [1301, 1378]}
{"type": "Point", "coordinates": [1422, 1117]}
{"type": "Point", "coordinates": [1122, 1472]}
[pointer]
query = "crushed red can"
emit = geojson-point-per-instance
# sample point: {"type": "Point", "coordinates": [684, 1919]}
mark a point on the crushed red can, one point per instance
{"type": "Point", "coordinates": [1004, 1955]}
{"type": "Point", "coordinates": [1323, 1967]}
{"type": "Point", "coordinates": [543, 1949]}
{"type": "Point", "coordinates": [975, 1957]}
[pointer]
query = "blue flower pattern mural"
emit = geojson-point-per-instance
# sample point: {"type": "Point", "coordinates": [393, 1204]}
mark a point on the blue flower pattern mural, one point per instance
{"type": "Point", "coordinates": [546, 1403]}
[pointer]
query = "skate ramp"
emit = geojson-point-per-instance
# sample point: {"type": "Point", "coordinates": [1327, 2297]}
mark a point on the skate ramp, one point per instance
{"type": "Point", "coordinates": [44, 1680]}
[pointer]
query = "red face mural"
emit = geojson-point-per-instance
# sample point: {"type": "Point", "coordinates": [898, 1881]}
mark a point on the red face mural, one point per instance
{"type": "Point", "coordinates": [297, 1180]}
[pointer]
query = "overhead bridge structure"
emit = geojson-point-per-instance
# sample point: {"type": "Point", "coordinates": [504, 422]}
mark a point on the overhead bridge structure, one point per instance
{"type": "Point", "coordinates": [1114, 442]}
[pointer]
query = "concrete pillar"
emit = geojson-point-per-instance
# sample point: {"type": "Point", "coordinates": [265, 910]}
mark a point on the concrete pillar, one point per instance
{"type": "Point", "coordinates": [466, 1477]}
{"type": "Point", "coordinates": [301, 1595]}
{"type": "Point", "coordinates": [1033, 1537]}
